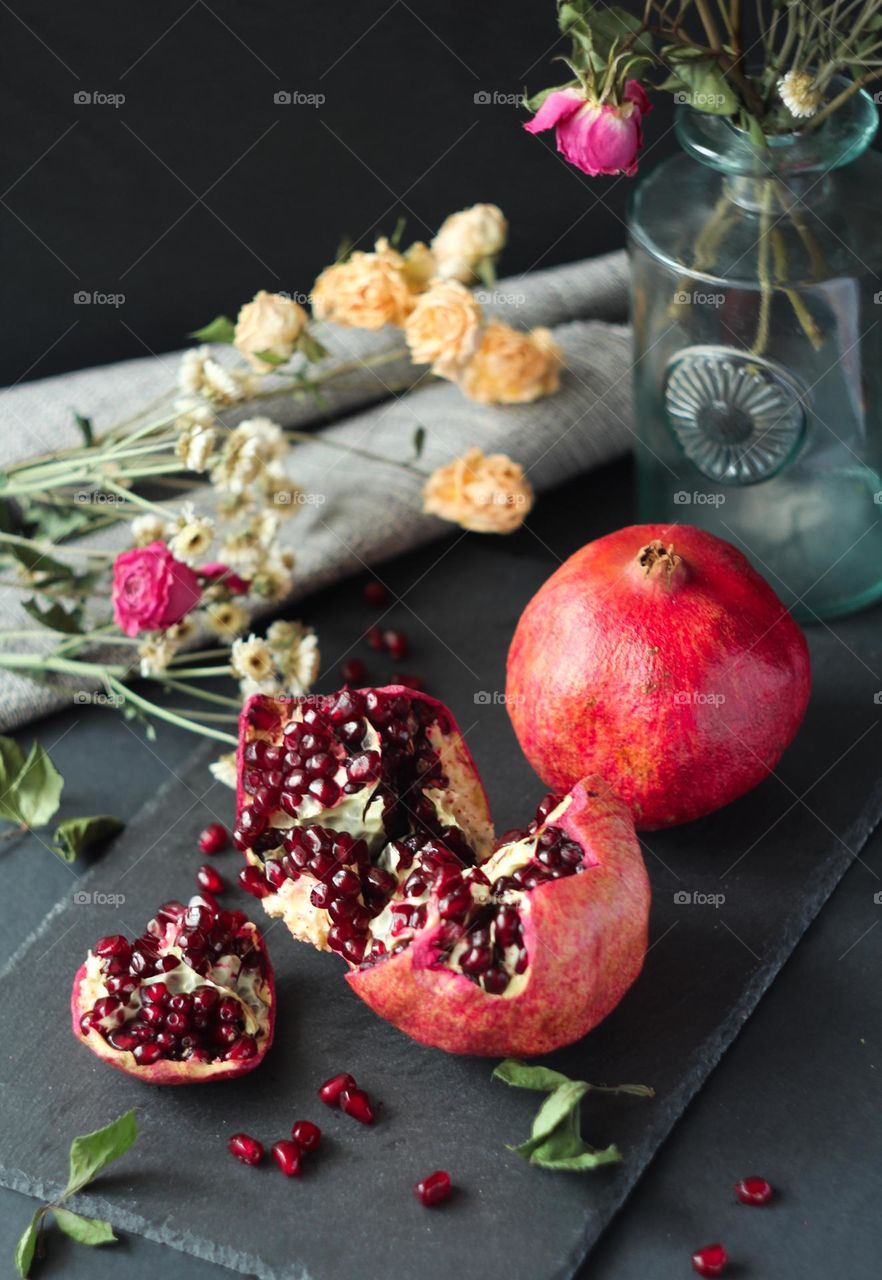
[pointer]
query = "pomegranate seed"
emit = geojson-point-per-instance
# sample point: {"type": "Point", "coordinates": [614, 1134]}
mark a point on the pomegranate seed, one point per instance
{"type": "Point", "coordinates": [375, 593]}
{"type": "Point", "coordinates": [246, 1149]}
{"type": "Point", "coordinates": [263, 716]}
{"type": "Point", "coordinates": [147, 1052]}
{"type": "Point", "coordinates": [357, 1104]}
{"type": "Point", "coordinates": [253, 881]}
{"type": "Point", "coordinates": [210, 880]}
{"type": "Point", "coordinates": [307, 1135]}
{"type": "Point", "coordinates": [434, 1189]}
{"type": "Point", "coordinates": [710, 1261]}
{"type": "Point", "coordinates": [753, 1190]}
{"type": "Point", "coordinates": [330, 1091]}
{"type": "Point", "coordinates": [353, 672]}
{"type": "Point", "coordinates": [245, 1047]}
{"type": "Point", "coordinates": [115, 945]}
{"type": "Point", "coordinates": [395, 643]}
{"type": "Point", "coordinates": [374, 637]}
{"type": "Point", "coordinates": [287, 1156]}
{"type": "Point", "coordinates": [213, 838]}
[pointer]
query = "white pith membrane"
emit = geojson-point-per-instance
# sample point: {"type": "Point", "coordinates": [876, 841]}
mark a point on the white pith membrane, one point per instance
{"type": "Point", "coordinates": [207, 1031]}
{"type": "Point", "coordinates": [341, 880]}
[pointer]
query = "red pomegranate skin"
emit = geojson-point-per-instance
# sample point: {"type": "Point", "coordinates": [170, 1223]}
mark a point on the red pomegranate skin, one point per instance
{"type": "Point", "coordinates": [680, 682]}
{"type": "Point", "coordinates": [166, 1071]}
{"type": "Point", "coordinates": [586, 936]}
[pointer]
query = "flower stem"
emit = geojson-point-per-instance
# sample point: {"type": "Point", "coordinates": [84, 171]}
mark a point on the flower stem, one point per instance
{"type": "Point", "coordinates": [151, 708]}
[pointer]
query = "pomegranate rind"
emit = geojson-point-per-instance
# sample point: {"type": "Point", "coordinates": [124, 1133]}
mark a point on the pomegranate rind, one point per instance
{"type": "Point", "coordinates": [165, 1071]}
{"type": "Point", "coordinates": [586, 936]}
{"type": "Point", "coordinates": [682, 691]}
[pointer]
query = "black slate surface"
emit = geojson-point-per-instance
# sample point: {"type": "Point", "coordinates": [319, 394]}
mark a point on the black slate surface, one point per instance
{"type": "Point", "coordinates": [792, 838]}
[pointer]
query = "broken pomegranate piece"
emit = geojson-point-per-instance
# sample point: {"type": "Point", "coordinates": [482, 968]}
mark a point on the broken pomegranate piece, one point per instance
{"type": "Point", "coordinates": [192, 999]}
{"type": "Point", "coordinates": [365, 827]}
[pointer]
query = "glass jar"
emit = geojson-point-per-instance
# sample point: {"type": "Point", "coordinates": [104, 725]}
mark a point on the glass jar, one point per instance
{"type": "Point", "coordinates": [757, 310]}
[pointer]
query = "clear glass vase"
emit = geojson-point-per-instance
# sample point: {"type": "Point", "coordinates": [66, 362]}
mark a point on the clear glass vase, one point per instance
{"type": "Point", "coordinates": [757, 310]}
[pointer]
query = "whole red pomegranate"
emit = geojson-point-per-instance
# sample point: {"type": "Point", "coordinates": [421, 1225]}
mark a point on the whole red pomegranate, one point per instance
{"type": "Point", "coordinates": [659, 659]}
{"type": "Point", "coordinates": [365, 828]}
{"type": "Point", "coordinates": [192, 999]}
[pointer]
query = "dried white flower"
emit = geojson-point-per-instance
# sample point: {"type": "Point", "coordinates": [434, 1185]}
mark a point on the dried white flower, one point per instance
{"type": "Point", "coordinates": [248, 451]}
{"type": "Point", "coordinates": [223, 770]}
{"type": "Point", "coordinates": [295, 650]}
{"type": "Point", "coordinates": [195, 445]}
{"type": "Point", "coordinates": [226, 619]}
{"type": "Point", "coordinates": [200, 374]}
{"type": "Point", "coordinates": [192, 536]}
{"type": "Point", "coordinates": [252, 659]}
{"type": "Point", "coordinates": [155, 653]}
{"type": "Point", "coordinates": [798, 93]}
{"type": "Point", "coordinates": [147, 529]}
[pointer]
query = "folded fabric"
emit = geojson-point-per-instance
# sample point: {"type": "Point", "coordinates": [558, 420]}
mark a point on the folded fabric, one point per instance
{"type": "Point", "coordinates": [361, 513]}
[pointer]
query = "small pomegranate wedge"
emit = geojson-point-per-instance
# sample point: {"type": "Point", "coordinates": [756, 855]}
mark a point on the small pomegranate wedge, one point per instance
{"type": "Point", "coordinates": [192, 999]}
{"type": "Point", "coordinates": [512, 952]}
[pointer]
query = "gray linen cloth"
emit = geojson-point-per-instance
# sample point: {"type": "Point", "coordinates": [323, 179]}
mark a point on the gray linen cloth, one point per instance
{"type": "Point", "coordinates": [364, 513]}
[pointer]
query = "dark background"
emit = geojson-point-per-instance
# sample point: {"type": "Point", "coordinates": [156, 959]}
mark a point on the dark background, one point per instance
{"type": "Point", "coordinates": [198, 189]}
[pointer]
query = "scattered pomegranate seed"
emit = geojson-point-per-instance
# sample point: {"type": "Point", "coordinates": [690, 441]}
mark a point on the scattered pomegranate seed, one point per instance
{"type": "Point", "coordinates": [213, 838]}
{"type": "Point", "coordinates": [357, 1104]}
{"type": "Point", "coordinates": [710, 1261]}
{"type": "Point", "coordinates": [210, 880]}
{"type": "Point", "coordinates": [434, 1189]}
{"type": "Point", "coordinates": [246, 1149]}
{"type": "Point", "coordinates": [353, 672]}
{"type": "Point", "coordinates": [374, 637]}
{"type": "Point", "coordinates": [753, 1190]}
{"type": "Point", "coordinates": [409, 681]}
{"type": "Point", "coordinates": [287, 1156]}
{"type": "Point", "coordinates": [376, 593]}
{"type": "Point", "coordinates": [331, 1089]}
{"type": "Point", "coordinates": [307, 1135]}
{"type": "Point", "coordinates": [395, 643]}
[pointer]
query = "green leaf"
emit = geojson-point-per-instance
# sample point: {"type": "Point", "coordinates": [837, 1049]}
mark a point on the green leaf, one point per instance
{"type": "Point", "coordinates": [344, 249]}
{"type": "Point", "coordinates": [84, 1230]}
{"type": "Point", "coordinates": [85, 426]}
{"type": "Point", "coordinates": [395, 238]}
{"type": "Point", "coordinates": [27, 1245]}
{"type": "Point", "coordinates": [522, 1076]}
{"type": "Point", "coordinates": [92, 1152]}
{"type": "Point", "coordinates": [221, 329]}
{"type": "Point", "coordinates": [559, 1108]}
{"type": "Point", "coordinates": [76, 835]}
{"type": "Point", "coordinates": [271, 357]}
{"type": "Point", "coordinates": [55, 617]}
{"type": "Point", "coordinates": [703, 84]}
{"type": "Point", "coordinates": [582, 1162]}
{"type": "Point", "coordinates": [419, 439]}
{"type": "Point", "coordinates": [37, 562]}
{"type": "Point", "coordinates": [35, 793]}
{"type": "Point", "coordinates": [311, 348]}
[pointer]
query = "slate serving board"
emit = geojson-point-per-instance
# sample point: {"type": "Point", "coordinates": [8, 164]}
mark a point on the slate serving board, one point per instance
{"type": "Point", "coordinates": [775, 856]}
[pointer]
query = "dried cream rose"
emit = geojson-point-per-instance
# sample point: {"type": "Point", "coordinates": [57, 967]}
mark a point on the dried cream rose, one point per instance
{"type": "Point", "coordinates": [469, 239]}
{"type": "Point", "coordinates": [444, 328]}
{"type": "Point", "coordinates": [366, 291]}
{"type": "Point", "coordinates": [511, 367]}
{"type": "Point", "coordinates": [420, 266]}
{"type": "Point", "coordinates": [486, 495]}
{"type": "Point", "coordinates": [270, 322]}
